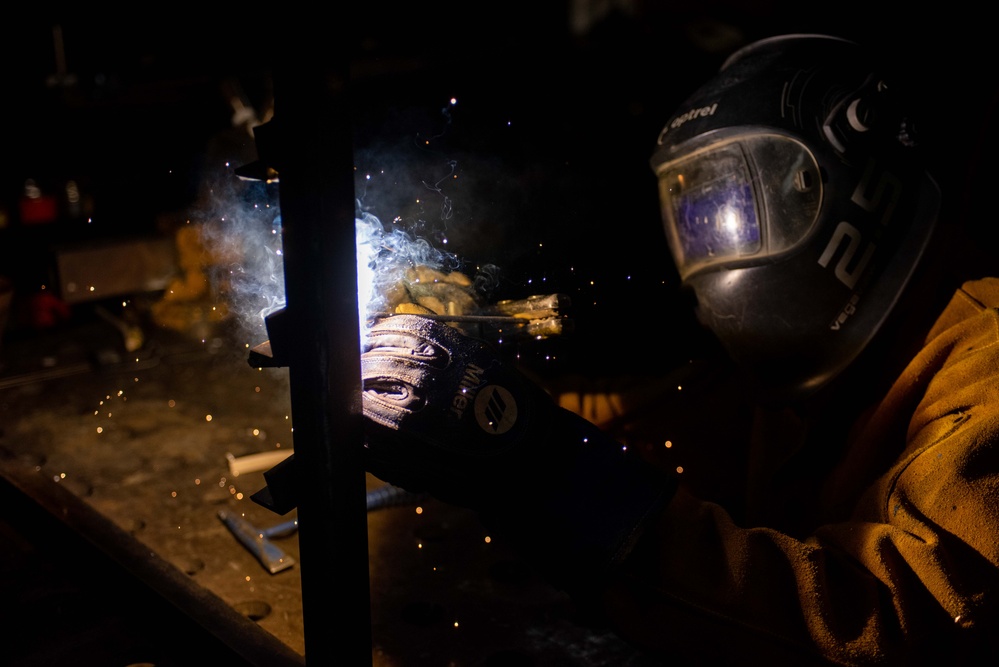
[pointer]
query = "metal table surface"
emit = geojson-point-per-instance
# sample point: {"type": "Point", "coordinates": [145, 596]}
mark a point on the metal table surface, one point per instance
{"type": "Point", "coordinates": [130, 450]}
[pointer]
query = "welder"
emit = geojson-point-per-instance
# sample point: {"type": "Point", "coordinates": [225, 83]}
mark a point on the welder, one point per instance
{"type": "Point", "coordinates": [801, 217]}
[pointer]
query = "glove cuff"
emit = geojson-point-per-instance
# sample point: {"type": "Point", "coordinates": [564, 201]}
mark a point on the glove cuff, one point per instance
{"type": "Point", "coordinates": [587, 516]}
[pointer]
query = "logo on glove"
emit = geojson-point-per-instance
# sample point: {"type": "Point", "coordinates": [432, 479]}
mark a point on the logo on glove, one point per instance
{"type": "Point", "coordinates": [495, 409]}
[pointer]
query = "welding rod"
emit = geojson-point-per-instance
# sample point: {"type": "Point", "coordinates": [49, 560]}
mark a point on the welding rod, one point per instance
{"type": "Point", "coordinates": [380, 498]}
{"type": "Point", "coordinates": [473, 319]}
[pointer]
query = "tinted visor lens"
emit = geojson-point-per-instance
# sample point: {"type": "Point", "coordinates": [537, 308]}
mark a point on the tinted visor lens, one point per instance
{"type": "Point", "coordinates": [709, 207]}
{"type": "Point", "coordinates": [752, 196]}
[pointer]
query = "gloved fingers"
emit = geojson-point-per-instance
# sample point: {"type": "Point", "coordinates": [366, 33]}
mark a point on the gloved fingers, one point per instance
{"type": "Point", "coordinates": [421, 330]}
{"type": "Point", "coordinates": [389, 401]}
{"type": "Point", "coordinates": [401, 344]}
{"type": "Point", "coordinates": [376, 367]}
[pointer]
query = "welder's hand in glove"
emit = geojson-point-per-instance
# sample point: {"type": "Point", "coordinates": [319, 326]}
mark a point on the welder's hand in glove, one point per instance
{"type": "Point", "coordinates": [446, 415]}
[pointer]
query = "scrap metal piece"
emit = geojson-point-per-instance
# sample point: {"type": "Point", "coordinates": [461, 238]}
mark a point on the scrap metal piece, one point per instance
{"type": "Point", "coordinates": [255, 462]}
{"type": "Point", "coordinates": [270, 555]}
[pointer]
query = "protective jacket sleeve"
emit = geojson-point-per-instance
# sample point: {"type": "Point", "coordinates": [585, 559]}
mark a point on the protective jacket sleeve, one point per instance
{"type": "Point", "coordinates": [907, 574]}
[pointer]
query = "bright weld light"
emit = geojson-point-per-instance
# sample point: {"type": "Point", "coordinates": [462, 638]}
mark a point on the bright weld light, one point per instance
{"type": "Point", "coordinates": [730, 221]}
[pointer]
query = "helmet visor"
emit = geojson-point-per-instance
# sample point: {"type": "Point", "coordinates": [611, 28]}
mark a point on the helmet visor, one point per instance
{"type": "Point", "coordinates": [748, 197]}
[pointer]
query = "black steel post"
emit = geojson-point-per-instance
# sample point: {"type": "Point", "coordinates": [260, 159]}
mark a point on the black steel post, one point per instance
{"type": "Point", "coordinates": [316, 191]}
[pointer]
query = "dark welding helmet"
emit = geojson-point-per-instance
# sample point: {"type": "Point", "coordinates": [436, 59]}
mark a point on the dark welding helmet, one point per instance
{"type": "Point", "coordinates": [795, 205]}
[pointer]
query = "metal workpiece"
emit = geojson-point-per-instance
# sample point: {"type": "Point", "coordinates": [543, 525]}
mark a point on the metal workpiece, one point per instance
{"type": "Point", "coordinates": [312, 153]}
{"type": "Point", "coordinates": [258, 541]}
{"type": "Point", "coordinates": [270, 555]}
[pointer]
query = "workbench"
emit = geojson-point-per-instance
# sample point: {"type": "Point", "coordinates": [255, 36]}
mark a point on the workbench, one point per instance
{"type": "Point", "coordinates": [132, 451]}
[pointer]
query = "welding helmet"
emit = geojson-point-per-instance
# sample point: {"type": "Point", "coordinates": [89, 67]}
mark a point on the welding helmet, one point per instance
{"type": "Point", "coordinates": [795, 206]}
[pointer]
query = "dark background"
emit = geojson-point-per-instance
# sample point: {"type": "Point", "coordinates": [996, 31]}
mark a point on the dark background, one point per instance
{"type": "Point", "coordinates": [541, 166]}
{"type": "Point", "coordinates": [558, 106]}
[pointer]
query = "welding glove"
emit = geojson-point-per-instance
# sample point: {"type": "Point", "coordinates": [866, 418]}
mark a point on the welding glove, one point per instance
{"type": "Point", "coordinates": [446, 415]}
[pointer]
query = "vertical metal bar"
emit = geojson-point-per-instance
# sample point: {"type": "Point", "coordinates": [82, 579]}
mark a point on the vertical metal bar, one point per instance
{"type": "Point", "coordinates": [316, 190]}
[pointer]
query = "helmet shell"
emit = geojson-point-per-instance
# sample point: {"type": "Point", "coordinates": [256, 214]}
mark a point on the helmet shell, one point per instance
{"type": "Point", "coordinates": [834, 208]}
